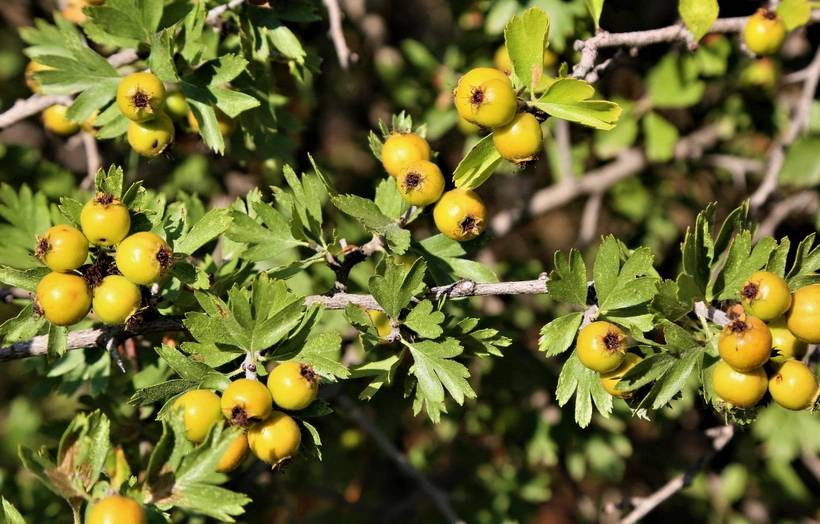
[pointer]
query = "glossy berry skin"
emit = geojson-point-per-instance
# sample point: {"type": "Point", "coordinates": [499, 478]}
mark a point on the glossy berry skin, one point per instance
{"type": "Point", "coordinates": [610, 380]}
{"type": "Point", "coordinates": [485, 97]}
{"type": "Point", "coordinates": [143, 257]}
{"type": "Point", "coordinates": [745, 343]}
{"type": "Point", "coordinates": [765, 295]}
{"type": "Point", "coordinates": [601, 346]}
{"type": "Point", "coordinates": [794, 386]}
{"type": "Point", "coordinates": [420, 183]}
{"type": "Point", "coordinates": [150, 138]}
{"type": "Point", "coordinates": [764, 32]}
{"type": "Point", "coordinates": [105, 220]}
{"type": "Point", "coordinates": [200, 411]}
{"type": "Point", "coordinates": [803, 319]}
{"type": "Point", "coordinates": [400, 149]}
{"type": "Point", "coordinates": [520, 140]}
{"type": "Point", "coordinates": [276, 439]}
{"type": "Point", "coordinates": [293, 385]}
{"type": "Point", "coordinates": [234, 455]}
{"type": "Point", "coordinates": [460, 214]}
{"type": "Point", "coordinates": [785, 346]}
{"type": "Point", "coordinates": [140, 96]}
{"type": "Point", "coordinates": [246, 401]}
{"type": "Point", "coordinates": [62, 248]}
{"type": "Point", "coordinates": [115, 299]}
{"type": "Point", "coordinates": [63, 298]}
{"type": "Point", "coordinates": [56, 121]}
{"type": "Point", "coordinates": [116, 509]}
{"type": "Point", "coordinates": [381, 322]}
{"type": "Point", "coordinates": [176, 105]}
{"type": "Point", "coordinates": [743, 389]}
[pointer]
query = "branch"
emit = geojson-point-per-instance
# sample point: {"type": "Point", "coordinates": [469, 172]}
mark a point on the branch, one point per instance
{"type": "Point", "coordinates": [637, 39]}
{"type": "Point", "coordinates": [438, 497]}
{"type": "Point", "coordinates": [92, 160]}
{"type": "Point", "coordinates": [629, 162]}
{"type": "Point", "coordinates": [334, 13]}
{"type": "Point", "coordinates": [721, 436]}
{"type": "Point", "coordinates": [803, 202]}
{"type": "Point", "coordinates": [212, 18]}
{"type": "Point", "coordinates": [777, 153]}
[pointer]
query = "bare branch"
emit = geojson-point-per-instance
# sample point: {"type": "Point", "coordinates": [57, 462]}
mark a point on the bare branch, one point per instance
{"type": "Point", "coordinates": [93, 162]}
{"type": "Point", "coordinates": [564, 147]}
{"type": "Point", "coordinates": [334, 13]}
{"type": "Point", "coordinates": [802, 202]}
{"type": "Point", "coordinates": [26, 107]}
{"type": "Point", "coordinates": [777, 153]}
{"type": "Point", "coordinates": [438, 496]}
{"type": "Point", "coordinates": [721, 436]}
{"type": "Point", "coordinates": [212, 18]}
{"type": "Point", "coordinates": [590, 217]}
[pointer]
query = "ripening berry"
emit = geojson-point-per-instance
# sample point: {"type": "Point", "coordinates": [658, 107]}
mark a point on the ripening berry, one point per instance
{"type": "Point", "coordinates": [601, 346]}
{"type": "Point", "coordinates": [246, 401]}
{"type": "Point", "coordinates": [794, 386]}
{"type": "Point", "coordinates": [56, 121]}
{"type": "Point", "coordinates": [105, 220]}
{"type": "Point", "coordinates": [381, 322]}
{"type": "Point", "coordinates": [115, 299]}
{"type": "Point", "coordinates": [143, 257]}
{"type": "Point", "coordinates": [116, 509]}
{"type": "Point", "coordinates": [32, 68]}
{"type": "Point", "coordinates": [520, 140]}
{"type": "Point", "coordinates": [610, 380]}
{"type": "Point", "coordinates": [762, 72]}
{"type": "Point", "coordinates": [785, 346]}
{"type": "Point", "coordinates": [400, 149]}
{"type": "Point", "coordinates": [420, 183]}
{"type": "Point", "coordinates": [275, 440]}
{"type": "Point", "coordinates": [764, 32]}
{"type": "Point", "coordinates": [765, 295]}
{"type": "Point", "coordinates": [176, 105]}
{"type": "Point", "coordinates": [63, 298]}
{"type": "Point", "coordinates": [62, 248]}
{"type": "Point", "coordinates": [484, 96]}
{"type": "Point", "coordinates": [745, 343]}
{"type": "Point", "coordinates": [293, 385]}
{"type": "Point", "coordinates": [150, 138]}
{"type": "Point", "coordinates": [234, 455]}
{"type": "Point", "coordinates": [200, 411]}
{"type": "Point", "coordinates": [140, 96]}
{"type": "Point", "coordinates": [803, 319]}
{"type": "Point", "coordinates": [460, 214]}
{"type": "Point", "coordinates": [743, 389]}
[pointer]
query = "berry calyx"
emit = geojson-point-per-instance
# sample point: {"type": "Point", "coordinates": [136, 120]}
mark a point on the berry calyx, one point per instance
{"type": "Point", "coordinates": [200, 411]}
{"type": "Point", "coordinates": [62, 248]}
{"type": "Point", "coordinates": [460, 214]}
{"type": "Point", "coordinates": [610, 380]}
{"type": "Point", "coordinates": [56, 121]}
{"type": "Point", "coordinates": [803, 319]}
{"type": "Point", "coordinates": [275, 440]}
{"type": "Point", "coordinates": [745, 343]}
{"type": "Point", "coordinates": [116, 299]}
{"type": "Point", "coordinates": [63, 298]}
{"type": "Point", "coordinates": [485, 97]}
{"type": "Point", "coordinates": [601, 346]}
{"type": "Point", "coordinates": [150, 138]}
{"type": "Point", "coordinates": [140, 96]}
{"type": "Point", "coordinates": [105, 220]}
{"type": "Point", "coordinates": [143, 257]}
{"type": "Point", "coordinates": [765, 295]}
{"type": "Point", "coordinates": [293, 385]}
{"type": "Point", "coordinates": [400, 149]}
{"type": "Point", "coordinates": [420, 183]}
{"type": "Point", "coordinates": [794, 386]}
{"type": "Point", "coordinates": [116, 509]}
{"type": "Point", "coordinates": [246, 401]}
{"type": "Point", "coordinates": [743, 389]}
{"type": "Point", "coordinates": [520, 140]}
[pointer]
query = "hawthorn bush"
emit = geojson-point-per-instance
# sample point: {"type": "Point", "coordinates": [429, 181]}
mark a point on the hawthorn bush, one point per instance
{"type": "Point", "coordinates": [548, 261]}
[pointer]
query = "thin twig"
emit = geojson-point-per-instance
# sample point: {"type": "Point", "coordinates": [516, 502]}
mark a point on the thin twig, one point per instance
{"type": "Point", "coordinates": [93, 162]}
{"type": "Point", "coordinates": [564, 148]}
{"type": "Point", "coordinates": [334, 13]}
{"type": "Point", "coordinates": [721, 436]}
{"type": "Point", "coordinates": [438, 496]}
{"type": "Point", "coordinates": [212, 18]}
{"type": "Point", "coordinates": [800, 118]}
{"type": "Point", "coordinates": [803, 202]}
{"type": "Point", "coordinates": [590, 218]}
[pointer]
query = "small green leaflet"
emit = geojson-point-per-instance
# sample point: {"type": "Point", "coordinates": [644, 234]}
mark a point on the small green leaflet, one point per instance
{"type": "Point", "coordinates": [585, 385]}
{"type": "Point", "coordinates": [9, 514]}
{"type": "Point", "coordinates": [698, 15]}
{"type": "Point", "coordinates": [806, 265]}
{"type": "Point", "coordinates": [435, 371]}
{"type": "Point", "coordinates": [570, 99]}
{"type": "Point", "coordinates": [626, 285]}
{"type": "Point", "coordinates": [557, 336]}
{"type": "Point", "coordinates": [526, 38]}
{"type": "Point", "coordinates": [660, 137]}
{"type": "Point", "coordinates": [382, 372]}
{"type": "Point", "coordinates": [795, 13]}
{"type": "Point", "coordinates": [568, 281]}
{"type": "Point", "coordinates": [424, 321]}
{"type": "Point", "coordinates": [742, 261]}
{"type": "Point", "coordinates": [477, 165]}
{"type": "Point", "coordinates": [371, 218]}
{"type": "Point", "coordinates": [394, 290]}
{"type": "Point", "coordinates": [595, 7]}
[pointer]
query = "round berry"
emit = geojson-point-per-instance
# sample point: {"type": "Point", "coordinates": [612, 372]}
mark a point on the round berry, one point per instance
{"type": "Point", "coordinates": [115, 299]}
{"type": "Point", "coordinates": [176, 105]}
{"type": "Point", "coordinates": [764, 32]}
{"type": "Point", "coordinates": [234, 455]}
{"type": "Point", "coordinates": [63, 298]}
{"type": "Point", "coordinates": [200, 411]}
{"type": "Point", "coordinates": [140, 96]}
{"type": "Point", "coordinates": [794, 386]}
{"type": "Point", "coordinates": [275, 440]}
{"type": "Point", "coordinates": [105, 220]}
{"type": "Point", "coordinates": [485, 99]}
{"type": "Point", "coordinates": [381, 322]}
{"type": "Point", "coordinates": [610, 380]}
{"type": "Point", "coordinates": [150, 138]}
{"type": "Point", "coordinates": [601, 346]}
{"type": "Point", "coordinates": [743, 389]}
{"type": "Point", "coordinates": [116, 509]}
{"type": "Point", "coordinates": [143, 257]}
{"type": "Point", "coordinates": [745, 343]}
{"type": "Point", "coordinates": [246, 401]}
{"type": "Point", "coordinates": [56, 121]}
{"type": "Point", "coordinates": [420, 183]}
{"type": "Point", "coordinates": [400, 149]}
{"type": "Point", "coordinates": [62, 248]}
{"type": "Point", "coordinates": [293, 385]}
{"type": "Point", "coordinates": [765, 295]}
{"type": "Point", "coordinates": [785, 346]}
{"type": "Point", "coordinates": [460, 214]}
{"type": "Point", "coordinates": [520, 140]}
{"type": "Point", "coordinates": [803, 319]}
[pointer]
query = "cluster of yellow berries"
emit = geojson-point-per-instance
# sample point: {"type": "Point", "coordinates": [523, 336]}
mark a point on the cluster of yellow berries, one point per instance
{"type": "Point", "coordinates": [271, 435]}
{"type": "Point", "coordinates": [65, 297]}
{"type": "Point", "coordinates": [141, 99]}
{"type": "Point", "coordinates": [746, 344]}
{"type": "Point", "coordinates": [459, 214]}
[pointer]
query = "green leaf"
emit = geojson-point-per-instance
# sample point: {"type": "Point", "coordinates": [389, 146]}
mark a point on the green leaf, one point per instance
{"type": "Point", "coordinates": [569, 99]}
{"type": "Point", "coordinates": [585, 385]}
{"type": "Point", "coordinates": [806, 264]}
{"type": "Point", "coordinates": [435, 371]}
{"type": "Point", "coordinates": [794, 13]}
{"type": "Point", "coordinates": [161, 392]}
{"type": "Point", "coordinates": [697, 249]}
{"type": "Point", "coordinates": [382, 373]}
{"type": "Point", "coordinates": [24, 279]}
{"type": "Point", "coordinates": [322, 351]}
{"type": "Point", "coordinates": [480, 342]}
{"type": "Point", "coordinates": [557, 336]}
{"type": "Point", "coordinates": [161, 59]}
{"type": "Point", "coordinates": [595, 7]}
{"type": "Point", "coordinates": [698, 15]}
{"type": "Point", "coordinates": [667, 302]}
{"type": "Point", "coordinates": [394, 290]}
{"type": "Point", "coordinates": [288, 44]}
{"type": "Point", "coordinates": [57, 341]}
{"type": "Point", "coordinates": [635, 284]}
{"type": "Point", "coordinates": [477, 165]}
{"type": "Point", "coordinates": [444, 258]}
{"type": "Point", "coordinates": [424, 321]}
{"type": "Point", "coordinates": [213, 224]}
{"type": "Point", "coordinates": [742, 261]}
{"type": "Point", "coordinates": [673, 380]}
{"type": "Point", "coordinates": [186, 367]}
{"type": "Point", "coordinates": [526, 38]}
{"type": "Point", "coordinates": [371, 218]}
{"type": "Point", "coordinates": [22, 327]}
{"type": "Point", "coordinates": [801, 167]}
{"type": "Point", "coordinates": [673, 82]}
{"type": "Point", "coordinates": [660, 137]}
{"type": "Point", "coordinates": [110, 182]}
{"type": "Point", "coordinates": [9, 514]}
{"type": "Point", "coordinates": [83, 448]}
{"type": "Point", "coordinates": [568, 281]}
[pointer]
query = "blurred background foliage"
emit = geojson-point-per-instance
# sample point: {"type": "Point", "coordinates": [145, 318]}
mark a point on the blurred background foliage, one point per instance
{"type": "Point", "coordinates": [511, 455]}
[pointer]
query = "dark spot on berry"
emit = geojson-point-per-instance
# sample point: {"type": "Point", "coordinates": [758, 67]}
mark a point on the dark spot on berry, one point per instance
{"type": "Point", "coordinates": [42, 247]}
{"type": "Point", "coordinates": [768, 14]}
{"type": "Point", "coordinates": [477, 97]}
{"type": "Point", "coordinates": [737, 326]}
{"type": "Point", "coordinates": [412, 180]}
{"type": "Point", "coordinates": [154, 144]}
{"type": "Point", "coordinates": [105, 199]}
{"type": "Point", "coordinates": [141, 99]}
{"type": "Point", "coordinates": [165, 258]}
{"type": "Point", "coordinates": [612, 341]}
{"type": "Point", "coordinates": [308, 373]}
{"type": "Point", "coordinates": [750, 291]}
{"type": "Point", "coordinates": [239, 417]}
{"type": "Point", "coordinates": [469, 224]}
